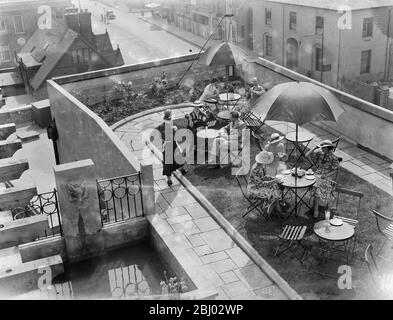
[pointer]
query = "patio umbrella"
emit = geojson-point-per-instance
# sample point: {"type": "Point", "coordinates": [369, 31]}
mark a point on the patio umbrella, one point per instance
{"type": "Point", "coordinates": [299, 103]}
{"type": "Point", "coordinates": [223, 54]}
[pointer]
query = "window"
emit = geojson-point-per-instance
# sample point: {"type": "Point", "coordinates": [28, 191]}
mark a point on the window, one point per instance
{"type": "Point", "coordinates": [242, 32]}
{"type": "Point", "coordinates": [86, 55]}
{"type": "Point", "coordinates": [80, 56]}
{"type": "Point", "coordinates": [368, 27]}
{"type": "Point", "coordinates": [318, 59]}
{"type": "Point", "coordinates": [365, 62]}
{"type": "Point", "coordinates": [292, 21]}
{"type": "Point", "coordinates": [268, 46]}
{"type": "Point", "coordinates": [5, 54]}
{"type": "Point", "coordinates": [59, 14]}
{"type": "Point", "coordinates": [3, 25]}
{"type": "Point", "coordinates": [319, 25]}
{"type": "Point", "coordinates": [18, 23]}
{"type": "Point", "coordinates": [268, 17]}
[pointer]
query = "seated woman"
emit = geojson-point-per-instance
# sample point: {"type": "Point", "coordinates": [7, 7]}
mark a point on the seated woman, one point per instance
{"type": "Point", "coordinates": [197, 118]}
{"type": "Point", "coordinates": [210, 92]}
{"type": "Point", "coordinates": [276, 147]}
{"type": "Point", "coordinates": [263, 186]}
{"type": "Point", "coordinates": [325, 166]}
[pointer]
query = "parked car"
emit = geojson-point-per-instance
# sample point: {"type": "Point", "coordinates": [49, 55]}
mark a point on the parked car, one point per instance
{"type": "Point", "coordinates": [110, 15]}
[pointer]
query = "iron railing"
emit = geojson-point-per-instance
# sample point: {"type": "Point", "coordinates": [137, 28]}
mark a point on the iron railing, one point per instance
{"type": "Point", "coordinates": [120, 198]}
{"type": "Point", "coordinates": [43, 203]}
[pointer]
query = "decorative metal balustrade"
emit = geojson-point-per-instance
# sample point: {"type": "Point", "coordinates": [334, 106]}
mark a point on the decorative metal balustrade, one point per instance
{"type": "Point", "coordinates": [120, 198]}
{"type": "Point", "coordinates": [43, 203]}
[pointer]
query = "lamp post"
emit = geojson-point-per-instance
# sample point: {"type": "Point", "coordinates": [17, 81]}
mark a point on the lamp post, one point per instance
{"type": "Point", "coordinates": [387, 53]}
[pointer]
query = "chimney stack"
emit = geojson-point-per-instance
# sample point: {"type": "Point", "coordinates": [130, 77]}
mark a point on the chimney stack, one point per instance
{"type": "Point", "coordinates": [80, 22]}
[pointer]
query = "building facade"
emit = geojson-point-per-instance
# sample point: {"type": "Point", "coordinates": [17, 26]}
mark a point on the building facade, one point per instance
{"type": "Point", "coordinates": [202, 17]}
{"type": "Point", "coordinates": [19, 19]}
{"type": "Point", "coordinates": [347, 49]}
{"type": "Point", "coordinates": [67, 49]}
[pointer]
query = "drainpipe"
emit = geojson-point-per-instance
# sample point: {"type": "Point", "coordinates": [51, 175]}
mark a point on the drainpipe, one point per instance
{"type": "Point", "coordinates": [283, 35]}
{"type": "Point", "coordinates": [338, 82]}
{"type": "Point", "coordinates": [386, 73]}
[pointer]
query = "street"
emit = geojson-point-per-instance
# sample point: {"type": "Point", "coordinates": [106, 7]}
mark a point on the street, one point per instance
{"type": "Point", "coordinates": [138, 40]}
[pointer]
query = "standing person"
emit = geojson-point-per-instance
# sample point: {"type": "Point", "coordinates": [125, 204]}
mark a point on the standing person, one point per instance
{"type": "Point", "coordinates": [256, 90]}
{"type": "Point", "coordinates": [169, 142]}
{"type": "Point", "coordinates": [326, 164]}
{"type": "Point", "coordinates": [277, 148]}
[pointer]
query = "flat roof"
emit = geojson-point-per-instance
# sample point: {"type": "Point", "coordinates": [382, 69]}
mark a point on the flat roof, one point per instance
{"type": "Point", "coordinates": [9, 79]}
{"type": "Point", "coordinates": [337, 4]}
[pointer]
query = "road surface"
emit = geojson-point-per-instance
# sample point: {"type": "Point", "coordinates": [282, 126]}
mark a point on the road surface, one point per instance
{"type": "Point", "coordinates": [139, 41]}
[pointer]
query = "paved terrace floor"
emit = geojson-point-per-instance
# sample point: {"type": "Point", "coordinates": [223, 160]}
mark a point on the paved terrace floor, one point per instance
{"type": "Point", "coordinates": [211, 244]}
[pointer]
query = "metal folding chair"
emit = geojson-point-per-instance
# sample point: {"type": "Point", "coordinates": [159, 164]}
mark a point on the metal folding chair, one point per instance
{"type": "Point", "coordinates": [252, 121]}
{"type": "Point", "coordinates": [380, 282]}
{"type": "Point", "coordinates": [351, 218]}
{"type": "Point", "coordinates": [254, 203]}
{"type": "Point", "coordinates": [335, 143]}
{"type": "Point", "coordinates": [385, 227]}
{"type": "Point", "coordinates": [291, 237]}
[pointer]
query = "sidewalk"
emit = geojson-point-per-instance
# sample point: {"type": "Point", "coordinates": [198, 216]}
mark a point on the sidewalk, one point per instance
{"type": "Point", "coordinates": [175, 31]}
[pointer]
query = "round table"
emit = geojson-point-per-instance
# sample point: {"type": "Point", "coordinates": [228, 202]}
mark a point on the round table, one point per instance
{"type": "Point", "coordinates": [205, 134]}
{"type": "Point", "coordinates": [224, 115]}
{"type": "Point", "coordinates": [331, 235]}
{"type": "Point", "coordinates": [326, 231]}
{"type": "Point", "coordinates": [303, 136]}
{"type": "Point", "coordinates": [292, 184]}
{"type": "Point", "coordinates": [229, 99]}
{"type": "Point", "coordinates": [290, 181]}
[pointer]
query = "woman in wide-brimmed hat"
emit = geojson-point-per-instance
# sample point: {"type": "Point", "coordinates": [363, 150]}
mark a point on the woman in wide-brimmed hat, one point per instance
{"type": "Point", "coordinates": [325, 165]}
{"type": "Point", "coordinates": [276, 146]}
{"type": "Point", "coordinates": [262, 185]}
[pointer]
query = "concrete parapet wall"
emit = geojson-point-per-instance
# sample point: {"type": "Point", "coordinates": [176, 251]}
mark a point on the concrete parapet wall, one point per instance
{"type": "Point", "coordinates": [125, 233]}
{"type": "Point", "coordinates": [18, 116]}
{"type": "Point", "coordinates": [168, 245]}
{"type": "Point", "coordinates": [22, 230]}
{"type": "Point", "coordinates": [7, 149]}
{"type": "Point", "coordinates": [96, 84]}
{"type": "Point", "coordinates": [6, 130]}
{"type": "Point", "coordinates": [43, 248]}
{"type": "Point", "coordinates": [16, 196]}
{"type": "Point", "coordinates": [79, 127]}
{"type": "Point", "coordinates": [25, 277]}
{"type": "Point", "coordinates": [11, 169]}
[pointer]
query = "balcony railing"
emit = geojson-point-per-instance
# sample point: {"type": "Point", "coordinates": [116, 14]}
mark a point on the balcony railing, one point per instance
{"type": "Point", "coordinates": [120, 198]}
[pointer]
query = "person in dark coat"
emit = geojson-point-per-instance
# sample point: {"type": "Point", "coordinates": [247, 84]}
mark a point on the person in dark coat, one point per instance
{"type": "Point", "coordinates": [169, 144]}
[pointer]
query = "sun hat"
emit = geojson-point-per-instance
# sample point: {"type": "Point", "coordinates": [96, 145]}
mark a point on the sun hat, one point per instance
{"type": "Point", "coordinates": [264, 157]}
{"type": "Point", "coordinates": [275, 137]}
{"type": "Point", "coordinates": [325, 143]}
